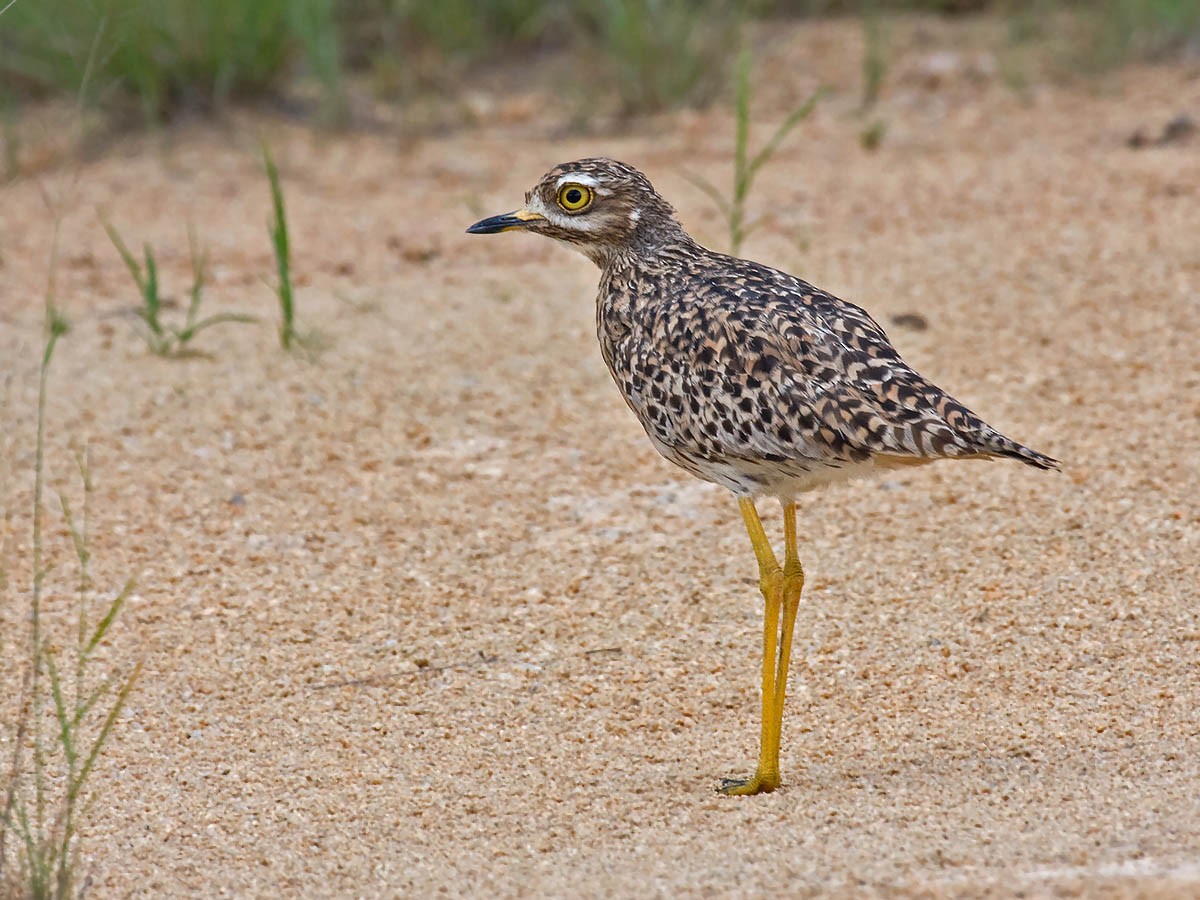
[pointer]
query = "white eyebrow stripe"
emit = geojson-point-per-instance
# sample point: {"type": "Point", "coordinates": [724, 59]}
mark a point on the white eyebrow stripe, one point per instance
{"type": "Point", "coordinates": [576, 178]}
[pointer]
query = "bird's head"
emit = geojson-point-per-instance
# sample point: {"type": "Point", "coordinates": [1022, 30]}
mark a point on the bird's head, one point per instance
{"type": "Point", "coordinates": [600, 206]}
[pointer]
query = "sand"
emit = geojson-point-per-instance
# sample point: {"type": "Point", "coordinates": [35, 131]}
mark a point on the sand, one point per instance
{"type": "Point", "coordinates": [426, 614]}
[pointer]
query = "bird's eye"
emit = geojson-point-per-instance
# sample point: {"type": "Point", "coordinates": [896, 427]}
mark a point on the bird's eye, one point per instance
{"type": "Point", "coordinates": [575, 197]}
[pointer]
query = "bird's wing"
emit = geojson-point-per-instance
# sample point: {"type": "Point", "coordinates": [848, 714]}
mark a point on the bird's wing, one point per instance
{"type": "Point", "coordinates": [750, 363]}
{"type": "Point", "coordinates": [844, 365]}
{"type": "Point", "coordinates": [760, 365]}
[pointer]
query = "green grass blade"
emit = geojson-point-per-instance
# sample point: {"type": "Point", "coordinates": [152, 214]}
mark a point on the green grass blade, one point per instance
{"type": "Point", "coordinates": [114, 608]}
{"type": "Point", "coordinates": [130, 263]}
{"type": "Point", "coordinates": [800, 113]}
{"type": "Point", "coordinates": [186, 334]}
{"type": "Point", "coordinates": [77, 537]}
{"type": "Point", "coordinates": [279, 241]}
{"type": "Point", "coordinates": [65, 731]}
{"type": "Point", "coordinates": [85, 706]}
{"type": "Point", "coordinates": [150, 298]}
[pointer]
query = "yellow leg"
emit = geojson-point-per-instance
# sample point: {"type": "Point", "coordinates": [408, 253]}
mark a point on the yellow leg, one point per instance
{"type": "Point", "coordinates": [793, 584]}
{"type": "Point", "coordinates": [771, 580]}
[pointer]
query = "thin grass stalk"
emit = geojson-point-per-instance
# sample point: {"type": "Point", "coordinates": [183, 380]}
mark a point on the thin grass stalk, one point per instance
{"type": "Point", "coordinates": [80, 538]}
{"type": "Point", "coordinates": [745, 165]}
{"type": "Point", "coordinates": [55, 852]}
{"type": "Point", "coordinates": [68, 724]}
{"type": "Point", "coordinates": [56, 327]}
{"type": "Point", "coordinates": [279, 241]}
{"type": "Point", "coordinates": [803, 111]}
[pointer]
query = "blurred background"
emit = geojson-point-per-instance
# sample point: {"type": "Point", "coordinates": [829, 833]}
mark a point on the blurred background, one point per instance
{"type": "Point", "coordinates": [357, 63]}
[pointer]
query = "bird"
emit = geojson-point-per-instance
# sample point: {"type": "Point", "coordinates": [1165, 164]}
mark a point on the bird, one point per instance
{"type": "Point", "coordinates": [746, 377]}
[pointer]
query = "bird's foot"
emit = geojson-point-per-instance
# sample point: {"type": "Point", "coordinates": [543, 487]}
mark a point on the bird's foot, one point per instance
{"type": "Point", "coordinates": [745, 787]}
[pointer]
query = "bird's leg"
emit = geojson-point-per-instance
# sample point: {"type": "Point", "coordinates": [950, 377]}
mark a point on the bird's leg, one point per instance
{"type": "Point", "coordinates": [793, 584]}
{"type": "Point", "coordinates": [771, 580]}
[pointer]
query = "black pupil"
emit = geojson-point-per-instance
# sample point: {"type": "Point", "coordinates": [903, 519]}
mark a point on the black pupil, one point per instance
{"type": "Point", "coordinates": [574, 195]}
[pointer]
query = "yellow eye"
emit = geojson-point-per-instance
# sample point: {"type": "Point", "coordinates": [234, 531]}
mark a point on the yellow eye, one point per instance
{"type": "Point", "coordinates": [575, 197]}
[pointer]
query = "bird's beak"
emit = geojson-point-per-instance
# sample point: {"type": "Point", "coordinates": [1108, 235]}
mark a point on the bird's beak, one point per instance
{"type": "Point", "coordinates": [522, 218]}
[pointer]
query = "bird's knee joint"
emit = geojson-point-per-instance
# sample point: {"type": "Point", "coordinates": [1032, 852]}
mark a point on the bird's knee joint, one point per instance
{"type": "Point", "coordinates": [793, 583]}
{"type": "Point", "coordinates": [770, 582]}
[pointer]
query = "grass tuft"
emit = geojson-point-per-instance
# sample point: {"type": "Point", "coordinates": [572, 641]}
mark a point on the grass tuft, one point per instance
{"type": "Point", "coordinates": [171, 57]}
{"type": "Point", "coordinates": [290, 337]}
{"type": "Point", "coordinates": [163, 338]}
{"type": "Point", "coordinates": [746, 166]}
{"type": "Point", "coordinates": [46, 796]}
{"type": "Point", "coordinates": [165, 57]}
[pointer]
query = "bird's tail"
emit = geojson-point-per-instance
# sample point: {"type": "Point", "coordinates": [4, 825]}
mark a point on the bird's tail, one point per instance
{"type": "Point", "coordinates": [1010, 448]}
{"type": "Point", "coordinates": [986, 440]}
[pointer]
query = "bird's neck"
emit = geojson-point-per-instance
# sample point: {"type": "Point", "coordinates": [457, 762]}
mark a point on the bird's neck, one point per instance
{"type": "Point", "coordinates": [643, 248]}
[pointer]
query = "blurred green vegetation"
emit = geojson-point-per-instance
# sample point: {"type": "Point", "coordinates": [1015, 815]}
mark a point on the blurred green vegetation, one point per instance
{"type": "Point", "coordinates": [155, 59]}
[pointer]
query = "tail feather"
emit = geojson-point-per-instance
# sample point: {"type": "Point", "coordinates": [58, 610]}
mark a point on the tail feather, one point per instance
{"type": "Point", "coordinates": [1026, 455]}
{"type": "Point", "coordinates": [986, 440]}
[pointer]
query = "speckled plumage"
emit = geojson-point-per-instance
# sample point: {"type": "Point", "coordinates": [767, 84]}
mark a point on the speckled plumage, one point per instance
{"type": "Point", "coordinates": [742, 374]}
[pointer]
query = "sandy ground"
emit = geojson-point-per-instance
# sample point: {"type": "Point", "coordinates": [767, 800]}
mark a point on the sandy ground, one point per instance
{"type": "Point", "coordinates": [429, 616]}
